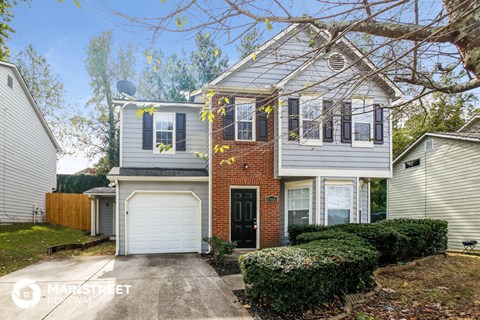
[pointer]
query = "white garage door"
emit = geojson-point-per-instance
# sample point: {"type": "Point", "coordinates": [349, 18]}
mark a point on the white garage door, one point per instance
{"type": "Point", "coordinates": [163, 223]}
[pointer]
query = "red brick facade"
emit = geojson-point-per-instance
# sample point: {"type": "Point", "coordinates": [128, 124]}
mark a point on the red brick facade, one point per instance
{"type": "Point", "coordinates": [259, 156]}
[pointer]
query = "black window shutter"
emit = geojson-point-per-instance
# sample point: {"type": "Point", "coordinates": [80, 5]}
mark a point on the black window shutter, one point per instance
{"type": "Point", "coordinates": [378, 124]}
{"type": "Point", "coordinates": [328, 121]}
{"type": "Point", "coordinates": [262, 122]}
{"type": "Point", "coordinates": [147, 127]}
{"type": "Point", "coordinates": [181, 132]}
{"type": "Point", "coordinates": [347, 122]}
{"type": "Point", "coordinates": [293, 118]}
{"type": "Point", "coordinates": [229, 121]}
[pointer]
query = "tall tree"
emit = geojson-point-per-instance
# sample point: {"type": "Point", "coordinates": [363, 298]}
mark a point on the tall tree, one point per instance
{"type": "Point", "coordinates": [207, 60]}
{"type": "Point", "coordinates": [6, 30]}
{"type": "Point", "coordinates": [250, 42]}
{"type": "Point", "coordinates": [47, 90]}
{"type": "Point", "coordinates": [98, 131]}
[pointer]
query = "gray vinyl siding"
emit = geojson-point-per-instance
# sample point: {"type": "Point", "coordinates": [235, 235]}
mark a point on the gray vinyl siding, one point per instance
{"type": "Point", "coordinates": [126, 188]}
{"type": "Point", "coordinates": [133, 155]}
{"type": "Point", "coordinates": [28, 157]}
{"type": "Point", "coordinates": [365, 202]}
{"type": "Point", "coordinates": [335, 155]}
{"type": "Point", "coordinates": [446, 185]}
{"type": "Point", "coordinates": [273, 64]}
{"type": "Point", "coordinates": [105, 216]}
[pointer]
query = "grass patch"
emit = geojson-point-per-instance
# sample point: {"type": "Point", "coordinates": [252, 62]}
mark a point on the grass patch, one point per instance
{"type": "Point", "coordinates": [22, 244]}
{"type": "Point", "coordinates": [103, 249]}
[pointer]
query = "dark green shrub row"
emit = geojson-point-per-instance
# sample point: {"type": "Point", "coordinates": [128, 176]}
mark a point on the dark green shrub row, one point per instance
{"type": "Point", "coordinates": [425, 236]}
{"type": "Point", "coordinates": [304, 276]}
{"type": "Point", "coordinates": [327, 234]}
{"type": "Point", "coordinates": [297, 229]}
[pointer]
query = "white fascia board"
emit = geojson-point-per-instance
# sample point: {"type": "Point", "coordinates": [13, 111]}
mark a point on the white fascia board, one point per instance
{"type": "Point", "coordinates": [164, 179]}
{"type": "Point", "coordinates": [334, 173]}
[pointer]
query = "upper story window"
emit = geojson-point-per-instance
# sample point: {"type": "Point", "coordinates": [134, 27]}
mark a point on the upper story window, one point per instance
{"type": "Point", "coordinates": [412, 163]}
{"type": "Point", "coordinates": [362, 118]}
{"type": "Point", "coordinates": [164, 133]}
{"type": "Point", "coordinates": [245, 120]}
{"type": "Point", "coordinates": [310, 120]}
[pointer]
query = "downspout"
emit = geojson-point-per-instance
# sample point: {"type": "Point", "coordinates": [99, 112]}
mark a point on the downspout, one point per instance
{"type": "Point", "coordinates": [426, 182]}
{"type": "Point", "coordinates": [117, 220]}
{"type": "Point", "coordinates": [93, 222]}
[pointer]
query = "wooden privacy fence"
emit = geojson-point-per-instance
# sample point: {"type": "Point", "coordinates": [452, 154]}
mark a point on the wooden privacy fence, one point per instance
{"type": "Point", "coordinates": [69, 209]}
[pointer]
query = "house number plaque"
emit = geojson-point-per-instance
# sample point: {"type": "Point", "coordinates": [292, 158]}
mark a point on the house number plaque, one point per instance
{"type": "Point", "coordinates": [271, 199]}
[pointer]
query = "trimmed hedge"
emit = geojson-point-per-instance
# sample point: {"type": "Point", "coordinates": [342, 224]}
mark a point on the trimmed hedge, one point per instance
{"type": "Point", "coordinates": [295, 230]}
{"type": "Point", "coordinates": [327, 234]}
{"type": "Point", "coordinates": [424, 236]}
{"type": "Point", "coordinates": [304, 276]}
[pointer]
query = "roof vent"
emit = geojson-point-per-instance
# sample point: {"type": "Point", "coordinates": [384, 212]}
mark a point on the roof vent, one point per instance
{"type": "Point", "coordinates": [336, 62]}
{"type": "Point", "coordinates": [10, 81]}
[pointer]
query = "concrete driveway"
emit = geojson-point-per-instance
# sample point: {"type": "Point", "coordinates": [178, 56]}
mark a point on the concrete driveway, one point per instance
{"type": "Point", "coordinates": [180, 286]}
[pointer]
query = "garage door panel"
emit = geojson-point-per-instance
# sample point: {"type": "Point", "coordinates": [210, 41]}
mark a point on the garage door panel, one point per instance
{"type": "Point", "coordinates": [163, 223]}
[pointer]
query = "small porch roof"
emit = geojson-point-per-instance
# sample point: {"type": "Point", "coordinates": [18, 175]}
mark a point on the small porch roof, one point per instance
{"type": "Point", "coordinates": [101, 191]}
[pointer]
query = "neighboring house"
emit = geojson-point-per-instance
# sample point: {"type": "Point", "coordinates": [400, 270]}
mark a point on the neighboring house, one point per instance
{"type": "Point", "coordinates": [87, 172]}
{"type": "Point", "coordinates": [167, 201]}
{"type": "Point", "coordinates": [28, 151]}
{"type": "Point", "coordinates": [438, 177]}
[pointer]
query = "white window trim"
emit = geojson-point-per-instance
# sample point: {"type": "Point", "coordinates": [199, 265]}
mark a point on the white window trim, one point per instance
{"type": "Point", "coordinates": [338, 183]}
{"type": "Point", "coordinates": [311, 142]}
{"type": "Point", "coordinates": [298, 185]}
{"type": "Point", "coordinates": [363, 144]}
{"type": "Point", "coordinates": [239, 101]}
{"type": "Point", "coordinates": [173, 148]}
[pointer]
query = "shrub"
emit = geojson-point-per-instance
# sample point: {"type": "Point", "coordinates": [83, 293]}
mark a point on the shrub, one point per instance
{"type": "Point", "coordinates": [304, 276]}
{"type": "Point", "coordinates": [425, 236]}
{"type": "Point", "coordinates": [389, 242]}
{"type": "Point", "coordinates": [327, 234]}
{"type": "Point", "coordinates": [220, 247]}
{"type": "Point", "coordinates": [297, 229]}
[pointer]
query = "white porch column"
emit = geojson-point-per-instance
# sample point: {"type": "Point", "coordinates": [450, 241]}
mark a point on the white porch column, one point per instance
{"type": "Point", "coordinates": [93, 222]}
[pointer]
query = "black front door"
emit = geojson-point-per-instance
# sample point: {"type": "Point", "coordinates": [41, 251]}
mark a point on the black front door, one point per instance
{"type": "Point", "coordinates": [244, 217]}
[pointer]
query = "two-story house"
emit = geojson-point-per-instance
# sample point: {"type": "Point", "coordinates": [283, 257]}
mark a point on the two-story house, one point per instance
{"type": "Point", "coordinates": [297, 137]}
{"type": "Point", "coordinates": [28, 151]}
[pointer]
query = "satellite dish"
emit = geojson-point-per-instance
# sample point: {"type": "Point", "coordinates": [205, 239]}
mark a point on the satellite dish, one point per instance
{"type": "Point", "coordinates": [125, 86]}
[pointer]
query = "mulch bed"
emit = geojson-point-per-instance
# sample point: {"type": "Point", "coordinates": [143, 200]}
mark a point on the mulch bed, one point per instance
{"type": "Point", "coordinates": [222, 268]}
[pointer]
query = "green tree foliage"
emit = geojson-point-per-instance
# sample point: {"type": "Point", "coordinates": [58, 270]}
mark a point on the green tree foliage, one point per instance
{"type": "Point", "coordinates": [97, 132]}
{"type": "Point", "coordinates": [249, 43]}
{"type": "Point", "coordinates": [208, 61]}
{"type": "Point", "coordinates": [6, 30]}
{"type": "Point", "coordinates": [67, 183]}
{"type": "Point", "coordinates": [46, 89]}
{"type": "Point", "coordinates": [176, 76]}
{"type": "Point", "coordinates": [378, 191]}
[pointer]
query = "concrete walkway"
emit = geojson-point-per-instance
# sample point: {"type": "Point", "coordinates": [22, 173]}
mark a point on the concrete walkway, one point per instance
{"type": "Point", "coordinates": [180, 286]}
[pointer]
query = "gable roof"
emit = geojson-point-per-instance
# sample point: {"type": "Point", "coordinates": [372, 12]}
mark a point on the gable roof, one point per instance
{"type": "Point", "coordinates": [469, 123]}
{"type": "Point", "coordinates": [354, 50]}
{"type": "Point", "coordinates": [32, 101]}
{"type": "Point", "coordinates": [462, 136]}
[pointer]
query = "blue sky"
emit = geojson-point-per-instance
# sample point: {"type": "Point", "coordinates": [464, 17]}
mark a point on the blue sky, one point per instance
{"type": "Point", "coordinates": [61, 32]}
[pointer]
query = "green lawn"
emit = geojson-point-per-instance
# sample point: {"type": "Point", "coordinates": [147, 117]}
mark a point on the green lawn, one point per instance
{"type": "Point", "coordinates": [22, 244]}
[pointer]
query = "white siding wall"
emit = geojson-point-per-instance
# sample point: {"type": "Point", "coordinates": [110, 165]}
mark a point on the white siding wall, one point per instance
{"type": "Point", "coordinates": [28, 158]}
{"type": "Point", "coordinates": [450, 175]}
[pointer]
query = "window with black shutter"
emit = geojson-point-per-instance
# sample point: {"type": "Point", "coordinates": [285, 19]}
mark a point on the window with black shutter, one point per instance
{"type": "Point", "coordinates": [293, 118]}
{"type": "Point", "coordinates": [346, 122]}
{"type": "Point", "coordinates": [328, 121]}
{"type": "Point", "coordinates": [378, 124]}
{"type": "Point", "coordinates": [181, 132]}
{"type": "Point", "coordinates": [262, 121]}
{"type": "Point", "coordinates": [229, 121]}
{"type": "Point", "coordinates": [147, 131]}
